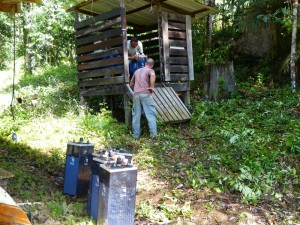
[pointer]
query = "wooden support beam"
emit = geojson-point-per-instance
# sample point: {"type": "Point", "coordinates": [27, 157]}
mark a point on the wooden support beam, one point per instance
{"type": "Point", "coordinates": [10, 7]}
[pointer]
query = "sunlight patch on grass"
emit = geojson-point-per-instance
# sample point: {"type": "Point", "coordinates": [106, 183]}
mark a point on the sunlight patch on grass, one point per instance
{"type": "Point", "coordinates": [50, 133]}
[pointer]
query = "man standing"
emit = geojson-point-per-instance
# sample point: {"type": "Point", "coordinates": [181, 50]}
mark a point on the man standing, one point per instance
{"type": "Point", "coordinates": [143, 81]}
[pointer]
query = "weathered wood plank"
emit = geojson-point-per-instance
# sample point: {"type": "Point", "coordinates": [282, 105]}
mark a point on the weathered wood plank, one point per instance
{"type": "Point", "coordinates": [177, 104]}
{"type": "Point", "coordinates": [95, 28]}
{"type": "Point", "coordinates": [176, 18]}
{"type": "Point", "coordinates": [160, 109]}
{"type": "Point", "coordinates": [189, 47]}
{"type": "Point", "coordinates": [103, 90]}
{"type": "Point", "coordinates": [178, 108]}
{"type": "Point", "coordinates": [181, 109]}
{"type": "Point", "coordinates": [178, 43]}
{"type": "Point", "coordinates": [168, 104]}
{"type": "Point", "coordinates": [101, 72]}
{"type": "Point", "coordinates": [177, 35]}
{"type": "Point", "coordinates": [178, 60]}
{"type": "Point", "coordinates": [109, 15]}
{"type": "Point", "coordinates": [179, 77]}
{"type": "Point", "coordinates": [162, 106]}
{"type": "Point", "coordinates": [179, 69]}
{"type": "Point", "coordinates": [99, 37]}
{"type": "Point", "coordinates": [178, 52]}
{"type": "Point", "coordinates": [166, 47]}
{"type": "Point", "coordinates": [177, 26]}
{"type": "Point", "coordinates": [178, 87]}
{"type": "Point", "coordinates": [101, 81]}
{"type": "Point", "coordinates": [99, 55]}
{"type": "Point", "coordinates": [124, 45]}
{"type": "Point", "coordinates": [100, 63]}
{"type": "Point", "coordinates": [100, 46]}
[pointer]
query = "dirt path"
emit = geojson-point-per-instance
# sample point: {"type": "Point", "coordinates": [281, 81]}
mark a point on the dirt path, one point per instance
{"type": "Point", "coordinates": [206, 207]}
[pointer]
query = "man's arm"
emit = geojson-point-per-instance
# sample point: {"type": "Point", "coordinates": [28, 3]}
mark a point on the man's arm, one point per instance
{"type": "Point", "coordinates": [135, 57]}
{"type": "Point", "coordinates": [140, 44]}
{"type": "Point", "coordinates": [152, 82]}
{"type": "Point", "coordinates": [132, 81]}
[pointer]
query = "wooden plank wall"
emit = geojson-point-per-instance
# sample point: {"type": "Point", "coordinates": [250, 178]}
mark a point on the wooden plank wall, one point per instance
{"type": "Point", "coordinates": [176, 49]}
{"type": "Point", "coordinates": [100, 50]}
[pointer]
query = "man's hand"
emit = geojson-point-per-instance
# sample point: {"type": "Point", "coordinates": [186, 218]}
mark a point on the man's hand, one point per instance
{"type": "Point", "coordinates": [150, 89]}
{"type": "Point", "coordinates": [136, 57]}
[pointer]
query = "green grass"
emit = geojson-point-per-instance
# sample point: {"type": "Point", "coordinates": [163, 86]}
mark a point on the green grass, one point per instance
{"type": "Point", "coordinates": [248, 146]}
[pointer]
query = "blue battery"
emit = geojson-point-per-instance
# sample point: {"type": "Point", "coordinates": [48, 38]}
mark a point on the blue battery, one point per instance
{"type": "Point", "coordinates": [77, 168]}
{"type": "Point", "coordinates": [137, 64]}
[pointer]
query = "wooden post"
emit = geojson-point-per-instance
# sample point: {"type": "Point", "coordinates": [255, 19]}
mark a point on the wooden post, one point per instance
{"type": "Point", "coordinates": [127, 109]}
{"type": "Point", "coordinates": [165, 46]}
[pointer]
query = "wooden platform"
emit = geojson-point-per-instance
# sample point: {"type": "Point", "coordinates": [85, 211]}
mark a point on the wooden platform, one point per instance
{"type": "Point", "coordinates": [170, 108]}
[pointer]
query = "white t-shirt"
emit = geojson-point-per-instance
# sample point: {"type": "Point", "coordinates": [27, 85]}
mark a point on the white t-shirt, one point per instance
{"type": "Point", "coordinates": [132, 51]}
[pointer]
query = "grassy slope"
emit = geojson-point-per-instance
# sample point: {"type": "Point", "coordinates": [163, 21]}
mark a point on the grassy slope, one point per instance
{"type": "Point", "coordinates": [234, 155]}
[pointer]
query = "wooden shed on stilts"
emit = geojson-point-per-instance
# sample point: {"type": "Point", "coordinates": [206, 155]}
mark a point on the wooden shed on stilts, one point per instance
{"type": "Point", "coordinates": [163, 26]}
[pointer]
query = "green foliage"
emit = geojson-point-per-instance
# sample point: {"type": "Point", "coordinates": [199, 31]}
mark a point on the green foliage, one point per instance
{"type": "Point", "coordinates": [103, 125]}
{"type": "Point", "coordinates": [6, 35]}
{"type": "Point", "coordinates": [52, 92]}
{"type": "Point", "coordinates": [253, 136]}
{"type": "Point", "coordinates": [49, 31]}
{"type": "Point", "coordinates": [166, 210]}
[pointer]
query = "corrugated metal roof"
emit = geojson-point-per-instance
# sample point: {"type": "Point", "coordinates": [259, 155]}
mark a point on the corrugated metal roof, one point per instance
{"type": "Point", "coordinates": [144, 12]}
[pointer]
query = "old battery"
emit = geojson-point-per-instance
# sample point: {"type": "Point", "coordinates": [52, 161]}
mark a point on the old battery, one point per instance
{"type": "Point", "coordinates": [117, 195]}
{"type": "Point", "coordinates": [77, 168]}
{"type": "Point", "coordinates": [93, 197]}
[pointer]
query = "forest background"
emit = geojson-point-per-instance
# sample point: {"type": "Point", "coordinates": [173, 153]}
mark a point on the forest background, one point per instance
{"type": "Point", "coordinates": [238, 157]}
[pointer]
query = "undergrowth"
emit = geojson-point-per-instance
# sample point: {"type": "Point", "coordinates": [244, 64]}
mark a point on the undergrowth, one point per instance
{"type": "Point", "coordinates": [255, 144]}
{"type": "Point", "coordinates": [248, 145]}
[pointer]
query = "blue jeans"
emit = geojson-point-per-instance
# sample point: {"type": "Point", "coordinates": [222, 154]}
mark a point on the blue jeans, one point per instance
{"type": "Point", "coordinates": [143, 101]}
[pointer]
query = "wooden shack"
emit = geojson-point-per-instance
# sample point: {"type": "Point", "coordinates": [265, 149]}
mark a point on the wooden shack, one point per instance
{"type": "Point", "coordinates": [164, 26]}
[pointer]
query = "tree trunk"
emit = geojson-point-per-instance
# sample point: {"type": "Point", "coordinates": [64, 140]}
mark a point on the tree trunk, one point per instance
{"type": "Point", "coordinates": [293, 46]}
{"type": "Point", "coordinates": [222, 81]}
{"type": "Point", "coordinates": [209, 23]}
{"type": "Point", "coordinates": [26, 42]}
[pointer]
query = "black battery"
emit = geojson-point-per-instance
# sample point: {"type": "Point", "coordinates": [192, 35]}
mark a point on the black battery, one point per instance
{"type": "Point", "coordinates": [77, 168]}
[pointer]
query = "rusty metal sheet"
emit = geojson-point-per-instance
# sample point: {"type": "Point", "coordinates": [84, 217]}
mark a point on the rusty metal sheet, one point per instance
{"type": "Point", "coordinates": [12, 215]}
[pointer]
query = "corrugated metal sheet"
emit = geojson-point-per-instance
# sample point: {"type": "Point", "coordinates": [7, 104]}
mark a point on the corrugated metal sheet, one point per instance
{"type": "Point", "coordinates": [144, 12]}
